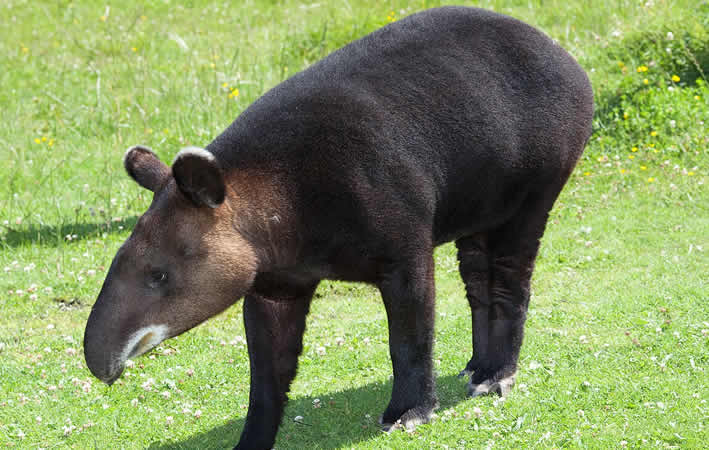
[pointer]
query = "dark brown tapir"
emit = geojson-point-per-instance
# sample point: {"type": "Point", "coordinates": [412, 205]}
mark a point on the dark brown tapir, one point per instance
{"type": "Point", "coordinates": [453, 124]}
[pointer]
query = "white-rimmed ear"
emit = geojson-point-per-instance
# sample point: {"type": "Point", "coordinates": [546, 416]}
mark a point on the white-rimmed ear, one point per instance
{"type": "Point", "coordinates": [145, 167]}
{"type": "Point", "coordinates": [199, 176]}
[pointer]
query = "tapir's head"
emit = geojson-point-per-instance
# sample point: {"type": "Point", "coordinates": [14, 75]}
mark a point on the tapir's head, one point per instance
{"type": "Point", "coordinates": [183, 263]}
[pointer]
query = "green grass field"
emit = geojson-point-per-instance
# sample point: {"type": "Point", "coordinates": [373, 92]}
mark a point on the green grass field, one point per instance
{"type": "Point", "coordinates": [617, 341]}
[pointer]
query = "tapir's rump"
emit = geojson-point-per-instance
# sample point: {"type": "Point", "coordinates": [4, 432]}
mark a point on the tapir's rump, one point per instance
{"type": "Point", "coordinates": [453, 124]}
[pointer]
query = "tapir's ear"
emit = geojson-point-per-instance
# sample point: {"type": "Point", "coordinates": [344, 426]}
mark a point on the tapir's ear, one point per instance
{"type": "Point", "coordinates": [145, 167]}
{"type": "Point", "coordinates": [199, 176]}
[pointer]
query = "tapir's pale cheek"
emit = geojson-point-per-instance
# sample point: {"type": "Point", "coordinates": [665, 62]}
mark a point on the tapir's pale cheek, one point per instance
{"type": "Point", "coordinates": [144, 340]}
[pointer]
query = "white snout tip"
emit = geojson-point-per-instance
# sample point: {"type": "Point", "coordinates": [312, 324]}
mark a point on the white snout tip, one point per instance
{"type": "Point", "coordinates": [144, 340]}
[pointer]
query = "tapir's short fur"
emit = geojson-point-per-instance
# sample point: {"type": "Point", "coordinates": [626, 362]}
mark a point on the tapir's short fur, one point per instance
{"type": "Point", "coordinates": [454, 124]}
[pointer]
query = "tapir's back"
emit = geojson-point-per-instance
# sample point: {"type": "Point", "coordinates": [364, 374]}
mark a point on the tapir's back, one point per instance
{"type": "Point", "coordinates": [454, 113]}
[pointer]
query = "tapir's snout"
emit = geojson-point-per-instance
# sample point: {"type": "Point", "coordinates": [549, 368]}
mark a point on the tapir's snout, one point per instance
{"type": "Point", "coordinates": [110, 339]}
{"type": "Point", "coordinates": [100, 359]}
{"type": "Point", "coordinates": [106, 353]}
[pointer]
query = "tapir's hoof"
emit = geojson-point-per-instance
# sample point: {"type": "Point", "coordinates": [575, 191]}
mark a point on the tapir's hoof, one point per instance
{"type": "Point", "coordinates": [409, 420]}
{"type": "Point", "coordinates": [501, 387]}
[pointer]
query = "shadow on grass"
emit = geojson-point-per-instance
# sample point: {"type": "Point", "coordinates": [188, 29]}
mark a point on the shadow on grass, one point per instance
{"type": "Point", "coordinates": [341, 421]}
{"type": "Point", "coordinates": [55, 235]}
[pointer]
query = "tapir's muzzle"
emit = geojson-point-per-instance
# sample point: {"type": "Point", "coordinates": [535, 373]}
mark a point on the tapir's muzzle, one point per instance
{"type": "Point", "coordinates": [109, 339]}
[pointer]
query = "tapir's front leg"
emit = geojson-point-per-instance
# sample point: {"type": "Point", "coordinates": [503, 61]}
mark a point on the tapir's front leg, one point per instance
{"type": "Point", "coordinates": [274, 333]}
{"type": "Point", "coordinates": [409, 297]}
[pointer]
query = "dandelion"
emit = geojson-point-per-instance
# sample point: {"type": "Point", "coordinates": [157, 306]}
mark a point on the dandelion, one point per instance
{"type": "Point", "coordinates": [134, 49]}
{"type": "Point", "coordinates": [103, 18]}
{"type": "Point", "coordinates": [675, 78]}
{"type": "Point", "coordinates": [37, 141]}
{"type": "Point", "coordinates": [586, 174]}
{"type": "Point", "coordinates": [391, 16]}
{"type": "Point", "coordinates": [696, 97]}
{"type": "Point", "coordinates": [622, 171]}
{"type": "Point", "coordinates": [650, 180]}
{"type": "Point", "coordinates": [646, 81]}
{"type": "Point", "coordinates": [625, 116]}
{"type": "Point", "coordinates": [690, 173]}
{"type": "Point", "coordinates": [634, 149]}
{"type": "Point", "coordinates": [642, 69]}
{"type": "Point", "coordinates": [631, 156]}
{"type": "Point", "coordinates": [234, 93]}
{"type": "Point", "coordinates": [653, 133]}
{"type": "Point", "coordinates": [643, 167]}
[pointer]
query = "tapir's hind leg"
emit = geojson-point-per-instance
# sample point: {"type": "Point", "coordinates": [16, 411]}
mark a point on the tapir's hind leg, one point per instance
{"type": "Point", "coordinates": [274, 323]}
{"type": "Point", "coordinates": [408, 292]}
{"type": "Point", "coordinates": [512, 249]}
{"type": "Point", "coordinates": [474, 266]}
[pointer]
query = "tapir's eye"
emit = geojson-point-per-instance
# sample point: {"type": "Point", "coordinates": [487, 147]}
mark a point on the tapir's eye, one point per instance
{"type": "Point", "coordinates": [157, 279]}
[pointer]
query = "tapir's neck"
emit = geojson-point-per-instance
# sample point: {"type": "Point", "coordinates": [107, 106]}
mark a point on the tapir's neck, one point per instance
{"type": "Point", "coordinates": [262, 213]}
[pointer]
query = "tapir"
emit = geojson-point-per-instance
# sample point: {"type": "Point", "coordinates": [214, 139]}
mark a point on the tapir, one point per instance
{"type": "Point", "coordinates": [452, 124]}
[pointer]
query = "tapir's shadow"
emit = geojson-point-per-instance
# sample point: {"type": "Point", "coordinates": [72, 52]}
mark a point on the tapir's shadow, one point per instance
{"type": "Point", "coordinates": [344, 418]}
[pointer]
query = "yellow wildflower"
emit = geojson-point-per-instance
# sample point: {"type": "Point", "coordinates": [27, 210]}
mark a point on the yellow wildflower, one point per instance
{"type": "Point", "coordinates": [37, 140]}
{"type": "Point", "coordinates": [587, 173]}
{"type": "Point", "coordinates": [149, 130]}
{"type": "Point", "coordinates": [696, 97]}
{"type": "Point", "coordinates": [643, 167]}
{"type": "Point", "coordinates": [631, 156]}
{"type": "Point", "coordinates": [625, 115]}
{"type": "Point", "coordinates": [634, 149]}
{"type": "Point", "coordinates": [622, 171]}
{"type": "Point", "coordinates": [642, 69]}
{"type": "Point", "coordinates": [653, 134]}
{"type": "Point", "coordinates": [51, 142]}
{"type": "Point", "coordinates": [675, 78]}
{"type": "Point", "coordinates": [650, 180]}
{"type": "Point", "coordinates": [44, 138]}
{"type": "Point", "coordinates": [103, 18]}
{"type": "Point", "coordinates": [143, 17]}
{"type": "Point", "coordinates": [225, 84]}
{"type": "Point", "coordinates": [235, 92]}
{"type": "Point", "coordinates": [646, 81]}
{"type": "Point", "coordinates": [691, 174]}
{"type": "Point", "coordinates": [134, 49]}
{"type": "Point", "coordinates": [166, 131]}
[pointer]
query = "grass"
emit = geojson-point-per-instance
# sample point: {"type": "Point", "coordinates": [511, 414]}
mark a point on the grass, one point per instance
{"type": "Point", "coordinates": [618, 333]}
